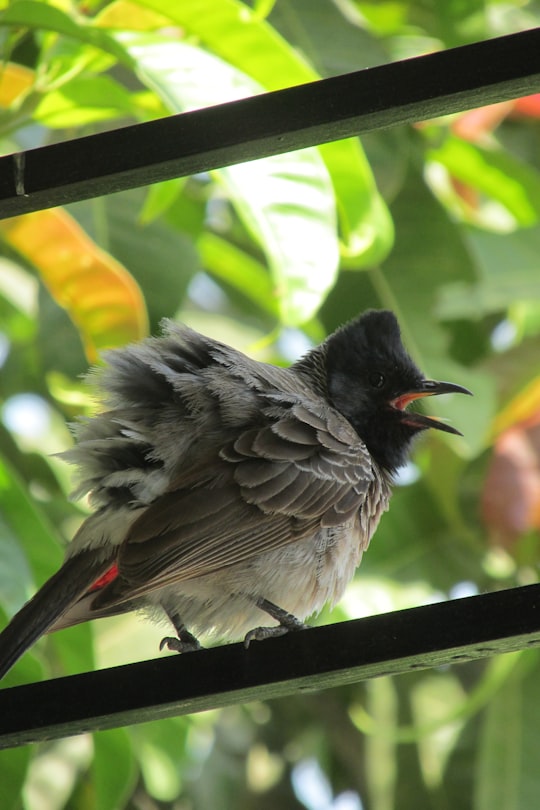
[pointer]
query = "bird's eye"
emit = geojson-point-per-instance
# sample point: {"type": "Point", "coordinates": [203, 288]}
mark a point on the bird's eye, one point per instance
{"type": "Point", "coordinates": [376, 379]}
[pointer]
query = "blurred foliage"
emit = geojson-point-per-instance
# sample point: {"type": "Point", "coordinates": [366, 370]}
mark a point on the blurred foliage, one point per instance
{"type": "Point", "coordinates": [439, 222]}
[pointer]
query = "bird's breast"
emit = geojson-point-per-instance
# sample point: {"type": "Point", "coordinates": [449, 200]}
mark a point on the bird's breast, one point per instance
{"type": "Point", "coordinates": [307, 574]}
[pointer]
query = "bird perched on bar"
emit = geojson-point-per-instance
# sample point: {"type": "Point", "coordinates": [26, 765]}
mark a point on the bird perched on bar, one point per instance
{"type": "Point", "coordinates": [230, 493]}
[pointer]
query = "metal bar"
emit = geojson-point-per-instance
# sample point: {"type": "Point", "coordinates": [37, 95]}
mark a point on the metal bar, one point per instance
{"type": "Point", "coordinates": [322, 657]}
{"type": "Point", "coordinates": [340, 107]}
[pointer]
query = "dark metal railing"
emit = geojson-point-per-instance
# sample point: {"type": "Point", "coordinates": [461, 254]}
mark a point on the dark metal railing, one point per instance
{"type": "Point", "coordinates": [445, 633]}
{"type": "Point", "coordinates": [327, 110]}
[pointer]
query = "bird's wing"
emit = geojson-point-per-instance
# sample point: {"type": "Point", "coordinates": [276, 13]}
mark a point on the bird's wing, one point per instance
{"type": "Point", "coordinates": [273, 485]}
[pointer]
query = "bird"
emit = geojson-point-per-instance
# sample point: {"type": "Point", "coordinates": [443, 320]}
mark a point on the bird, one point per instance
{"type": "Point", "coordinates": [231, 497]}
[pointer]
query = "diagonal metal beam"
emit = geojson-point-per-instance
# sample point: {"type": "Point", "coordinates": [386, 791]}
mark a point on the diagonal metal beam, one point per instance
{"type": "Point", "coordinates": [319, 658]}
{"type": "Point", "coordinates": [327, 110]}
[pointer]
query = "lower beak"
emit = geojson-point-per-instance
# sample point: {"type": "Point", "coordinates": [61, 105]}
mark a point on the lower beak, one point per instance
{"type": "Point", "coordinates": [427, 388]}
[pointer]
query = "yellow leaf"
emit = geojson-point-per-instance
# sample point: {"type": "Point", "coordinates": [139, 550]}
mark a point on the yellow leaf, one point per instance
{"type": "Point", "coordinates": [101, 297]}
{"type": "Point", "coordinates": [125, 15]}
{"type": "Point", "coordinates": [522, 409]}
{"type": "Point", "coordinates": [14, 81]}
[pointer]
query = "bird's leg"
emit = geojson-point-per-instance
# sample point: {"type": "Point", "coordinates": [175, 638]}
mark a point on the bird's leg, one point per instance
{"type": "Point", "coordinates": [184, 640]}
{"type": "Point", "coordinates": [286, 621]}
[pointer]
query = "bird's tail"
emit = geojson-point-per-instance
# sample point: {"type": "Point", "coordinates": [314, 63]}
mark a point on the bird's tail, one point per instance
{"type": "Point", "coordinates": [37, 616]}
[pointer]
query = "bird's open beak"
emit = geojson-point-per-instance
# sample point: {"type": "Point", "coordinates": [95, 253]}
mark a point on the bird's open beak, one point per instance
{"type": "Point", "coordinates": [427, 388]}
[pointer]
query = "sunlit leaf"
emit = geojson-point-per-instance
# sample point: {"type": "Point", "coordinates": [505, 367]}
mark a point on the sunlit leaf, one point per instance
{"type": "Point", "coordinates": [40, 15]}
{"type": "Point", "coordinates": [101, 297]}
{"type": "Point", "coordinates": [262, 8]}
{"type": "Point", "coordinates": [366, 227]}
{"type": "Point", "coordinates": [286, 201]}
{"type": "Point", "coordinates": [235, 32]}
{"type": "Point", "coordinates": [84, 100]}
{"type": "Point", "coordinates": [238, 34]}
{"type": "Point", "coordinates": [45, 16]}
{"type": "Point", "coordinates": [130, 15]}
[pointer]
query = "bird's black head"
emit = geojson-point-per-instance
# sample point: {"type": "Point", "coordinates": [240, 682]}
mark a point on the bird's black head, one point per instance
{"type": "Point", "coordinates": [371, 379]}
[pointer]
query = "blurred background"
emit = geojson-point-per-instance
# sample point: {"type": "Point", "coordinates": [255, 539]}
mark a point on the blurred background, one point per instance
{"type": "Point", "coordinates": [439, 222]}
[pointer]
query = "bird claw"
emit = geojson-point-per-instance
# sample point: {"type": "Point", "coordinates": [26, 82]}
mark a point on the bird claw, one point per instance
{"type": "Point", "coordinates": [286, 621]}
{"type": "Point", "coordinates": [177, 645]}
{"type": "Point", "coordinates": [260, 633]}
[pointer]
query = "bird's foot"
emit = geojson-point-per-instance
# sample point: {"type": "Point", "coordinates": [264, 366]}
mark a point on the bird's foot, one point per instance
{"type": "Point", "coordinates": [287, 623]}
{"type": "Point", "coordinates": [180, 645]}
{"type": "Point", "coordinates": [184, 641]}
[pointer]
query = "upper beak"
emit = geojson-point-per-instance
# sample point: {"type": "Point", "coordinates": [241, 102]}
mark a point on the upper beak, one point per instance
{"type": "Point", "coordinates": [428, 388]}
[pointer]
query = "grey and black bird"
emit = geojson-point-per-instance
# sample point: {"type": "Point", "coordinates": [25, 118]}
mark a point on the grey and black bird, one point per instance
{"type": "Point", "coordinates": [230, 493]}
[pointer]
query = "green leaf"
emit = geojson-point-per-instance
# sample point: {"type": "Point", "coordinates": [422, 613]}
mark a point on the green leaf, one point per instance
{"type": "Point", "coordinates": [507, 766]}
{"type": "Point", "coordinates": [351, 47]}
{"type": "Point", "coordinates": [237, 34]}
{"type": "Point", "coordinates": [163, 753]}
{"type": "Point", "coordinates": [417, 543]}
{"type": "Point", "coordinates": [231, 30]}
{"type": "Point", "coordinates": [114, 769]}
{"type": "Point", "coordinates": [28, 523]}
{"type": "Point", "coordinates": [495, 173]}
{"type": "Point", "coordinates": [286, 202]}
{"type": "Point", "coordinates": [84, 100]}
{"type": "Point", "coordinates": [73, 650]}
{"type": "Point", "coordinates": [42, 16]}
{"type": "Point", "coordinates": [431, 254]}
{"type": "Point", "coordinates": [15, 576]}
{"type": "Point", "coordinates": [290, 209]}
{"type": "Point", "coordinates": [508, 274]}
{"type": "Point", "coordinates": [159, 198]}
{"type": "Point", "coordinates": [262, 8]}
{"type": "Point", "coordinates": [13, 768]}
{"type": "Point", "coordinates": [229, 263]}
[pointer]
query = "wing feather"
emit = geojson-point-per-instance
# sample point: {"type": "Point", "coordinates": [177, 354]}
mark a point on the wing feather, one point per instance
{"type": "Point", "coordinates": [293, 430]}
{"type": "Point", "coordinates": [269, 486]}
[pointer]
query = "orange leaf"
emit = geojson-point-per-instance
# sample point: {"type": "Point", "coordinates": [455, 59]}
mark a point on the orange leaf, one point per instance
{"type": "Point", "coordinates": [101, 297]}
{"type": "Point", "coordinates": [14, 81]}
{"type": "Point", "coordinates": [522, 410]}
{"type": "Point", "coordinates": [511, 493]}
{"type": "Point", "coordinates": [528, 106]}
{"type": "Point", "coordinates": [473, 125]}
